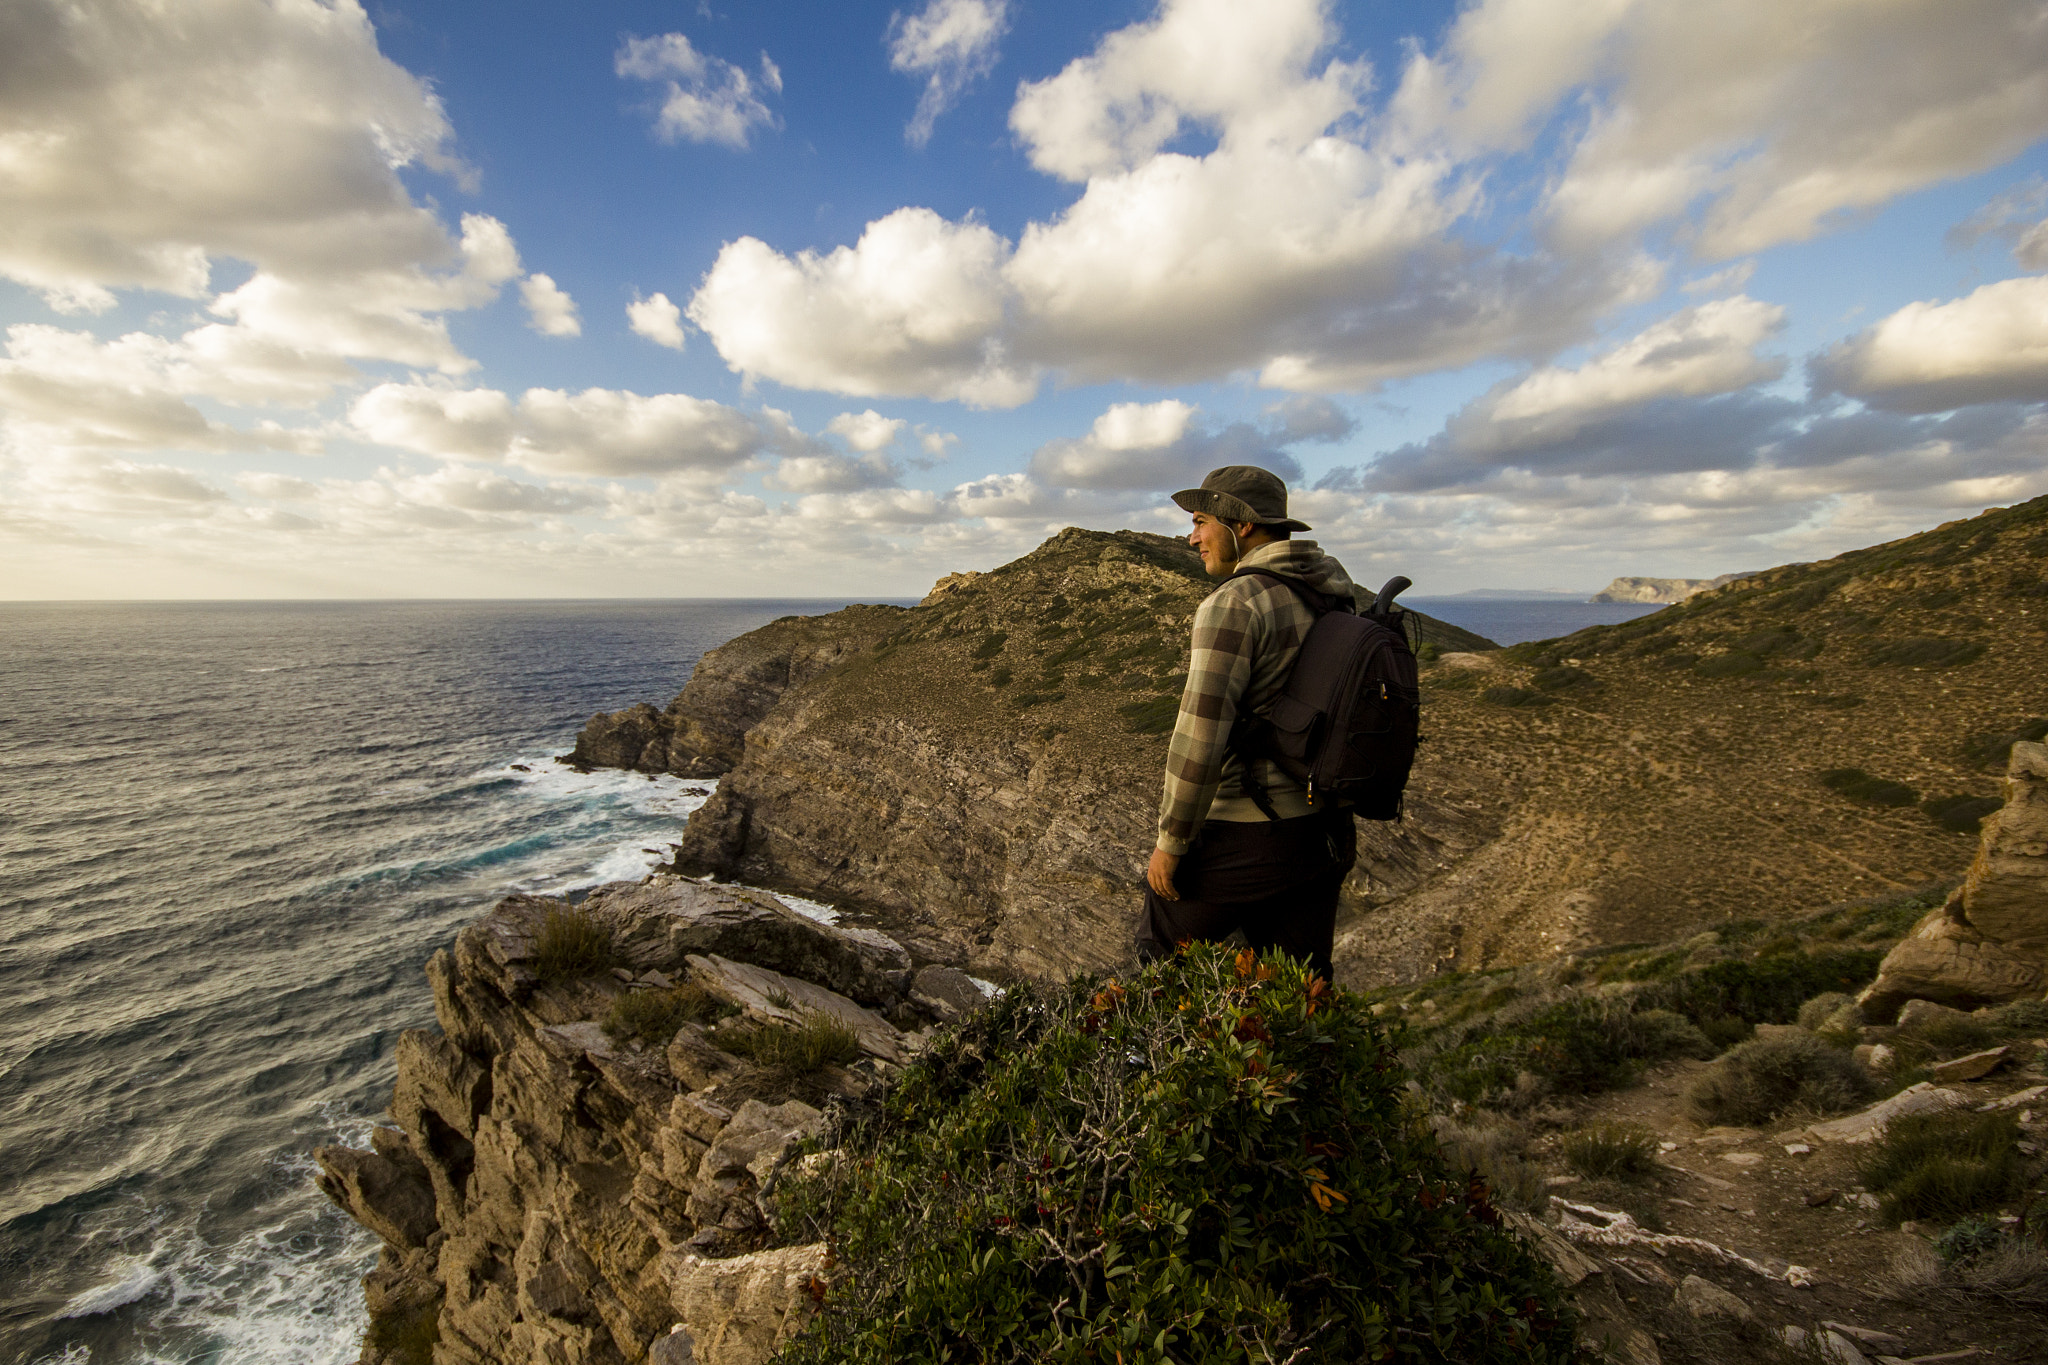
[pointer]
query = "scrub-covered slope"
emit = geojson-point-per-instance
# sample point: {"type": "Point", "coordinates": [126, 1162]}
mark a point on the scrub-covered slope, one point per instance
{"type": "Point", "coordinates": [1797, 737]}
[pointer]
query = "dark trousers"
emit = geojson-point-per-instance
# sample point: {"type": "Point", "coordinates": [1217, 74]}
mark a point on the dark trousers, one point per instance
{"type": "Point", "coordinates": [1276, 881]}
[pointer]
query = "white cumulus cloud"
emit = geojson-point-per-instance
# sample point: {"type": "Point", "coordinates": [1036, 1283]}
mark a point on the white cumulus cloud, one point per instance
{"type": "Point", "coordinates": [1989, 346]}
{"type": "Point", "coordinates": [549, 309]}
{"type": "Point", "coordinates": [952, 43]}
{"type": "Point", "coordinates": [706, 98]}
{"type": "Point", "coordinates": [1160, 445]}
{"type": "Point", "coordinates": [655, 318]}
{"type": "Point", "coordinates": [867, 431]}
{"type": "Point", "coordinates": [598, 432]}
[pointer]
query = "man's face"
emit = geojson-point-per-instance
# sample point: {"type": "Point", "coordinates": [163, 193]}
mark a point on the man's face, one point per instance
{"type": "Point", "coordinates": [1212, 540]}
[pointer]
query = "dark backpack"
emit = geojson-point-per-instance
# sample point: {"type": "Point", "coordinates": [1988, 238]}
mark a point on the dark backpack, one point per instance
{"type": "Point", "coordinates": [1347, 722]}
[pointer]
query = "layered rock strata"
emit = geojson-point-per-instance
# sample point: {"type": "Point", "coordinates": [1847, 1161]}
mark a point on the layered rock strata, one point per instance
{"type": "Point", "coordinates": [553, 1194]}
{"type": "Point", "coordinates": [1989, 942]}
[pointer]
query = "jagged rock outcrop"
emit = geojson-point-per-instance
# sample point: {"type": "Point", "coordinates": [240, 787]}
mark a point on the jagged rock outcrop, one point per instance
{"type": "Point", "coordinates": [701, 732]}
{"type": "Point", "coordinates": [554, 1194]}
{"type": "Point", "coordinates": [1989, 942]}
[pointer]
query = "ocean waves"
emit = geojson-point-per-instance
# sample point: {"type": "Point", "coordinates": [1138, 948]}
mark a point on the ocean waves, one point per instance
{"type": "Point", "coordinates": [234, 833]}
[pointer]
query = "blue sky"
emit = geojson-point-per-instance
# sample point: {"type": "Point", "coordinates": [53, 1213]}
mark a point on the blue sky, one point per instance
{"type": "Point", "coordinates": [311, 299]}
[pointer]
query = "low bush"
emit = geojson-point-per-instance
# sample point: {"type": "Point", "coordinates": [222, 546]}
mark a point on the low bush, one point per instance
{"type": "Point", "coordinates": [1766, 1077]}
{"type": "Point", "coordinates": [652, 1017]}
{"type": "Point", "coordinates": [1815, 1013]}
{"type": "Point", "coordinates": [1967, 1240]}
{"type": "Point", "coordinates": [1212, 1160]}
{"type": "Point", "coordinates": [1734, 664]}
{"type": "Point", "coordinates": [794, 1050]}
{"type": "Point", "coordinates": [1960, 814]}
{"type": "Point", "coordinates": [1611, 1150]}
{"type": "Point", "coordinates": [1944, 1166]}
{"type": "Point", "coordinates": [1153, 716]}
{"type": "Point", "coordinates": [1858, 785]}
{"type": "Point", "coordinates": [1922, 652]}
{"type": "Point", "coordinates": [1563, 678]}
{"type": "Point", "coordinates": [570, 944]}
{"type": "Point", "coordinates": [1764, 990]}
{"type": "Point", "coordinates": [1427, 653]}
{"type": "Point", "coordinates": [1495, 1153]}
{"type": "Point", "coordinates": [1513, 696]}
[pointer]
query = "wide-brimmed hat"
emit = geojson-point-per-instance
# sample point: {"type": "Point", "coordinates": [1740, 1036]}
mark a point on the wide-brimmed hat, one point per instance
{"type": "Point", "coordinates": [1242, 492]}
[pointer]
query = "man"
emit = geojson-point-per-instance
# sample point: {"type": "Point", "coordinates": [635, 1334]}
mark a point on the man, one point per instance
{"type": "Point", "coordinates": [1220, 863]}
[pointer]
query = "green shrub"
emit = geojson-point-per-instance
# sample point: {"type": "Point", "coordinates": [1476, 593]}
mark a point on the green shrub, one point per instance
{"type": "Point", "coordinates": [1734, 664]}
{"type": "Point", "coordinates": [1153, 716]}
{"type": "Point", "coordinates": [1513, 696]}
{"type": "Point", "coordinates": [1858, 785]}
{"type": "Point", "coordinates": [1960, 814]}
{"type": "Point", "coordinates": [570, 944]}
{"type": "Point", "coordinates": [1210, 1161]}
{"type": "Point", "coordinates": [653, 1017]}
{"type": "Point", "coordinates": [1563, 679]}
{"type": "Point", "coordinates": [1765, 1077]}
{"type": "Point", "coordinates": [999, 677]}
{"type": "Point", "coordinates": [1814, 1014]}
{"type": "Point", "coordinates": [794, 1050]}
{"type": "Point", "coordinates": [1624, 1150]}
{"type": "Point", "coordinates": [1951, 1033]}
{"type": "Point", "coordinates": [991, 645]}
{"type": "Point", "coordinates": [1764, 990]}
{"type": "Point", "coordinates": [1944, 1166]}
{"type": "Point", "coordinates": [1967, 1240]}
{"type": "Point", "coordinates": [1920, 652]}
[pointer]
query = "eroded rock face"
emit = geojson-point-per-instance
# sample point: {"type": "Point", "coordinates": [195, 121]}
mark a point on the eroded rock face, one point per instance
{"type": "Point", "coordinates": [701, 732]}
{"type": "Point", "coordinates": [553, 1193]}
{"type": "Point", "coordinates": [1989, 943]}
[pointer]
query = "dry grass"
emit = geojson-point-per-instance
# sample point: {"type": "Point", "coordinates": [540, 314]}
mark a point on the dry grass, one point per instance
{"type": "Point", "coordinates": [571, 943]}
{"type": "Point", "coordinates": [1766, 1077]}
{"type": "Point", "coordinates": [1619, 1150]}
{"type": "Point", "coordinates": [819, 1041]}
{"type": "Point", "coordinates": [652, 1017]}
{"type": "Point", "coordinates": [1945, 1166]}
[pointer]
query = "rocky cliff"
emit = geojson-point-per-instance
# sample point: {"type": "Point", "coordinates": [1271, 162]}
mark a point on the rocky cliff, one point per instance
{"type": "Point", "coordinates": [1661, 591]}
{"type": "Point", "coordinates": [554, 1192]}
{"type": "Point", "coordinates": [980, 772]}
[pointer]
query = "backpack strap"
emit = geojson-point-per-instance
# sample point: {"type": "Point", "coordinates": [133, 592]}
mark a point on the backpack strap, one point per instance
{"type": "Point", "coordinates": [1241, 744]}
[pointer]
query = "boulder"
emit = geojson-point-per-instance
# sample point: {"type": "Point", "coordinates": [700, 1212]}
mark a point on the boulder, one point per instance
{"type": "Point", "coordinates": [1868, 1125]}
{"type": "Point", "coordinates": [790, 1001]}
{"type": "Point", "coordinates": [1705, 1299]}
{"type": "Point", "coordinates": [949, 993]}
{"type": "Point", "coordinates": [2006, 891]}
{"type": "Point", "coordinates": [1971, 1067]}
{"type": "Point", "coordinates": [658, 923]}
{"type": "Point", "coordinates": [1837, 1349]}
{"type": "Point", "coordinates": [391, 1198]}
{"type": "Point", "coordinates": [743, 1161]}
{"type": "Point", "coordinates": [1989, 943]}
{"type": "Point", "coordinates": [623, 739]}
{"type": "Point", "coordinates": [674, 1349]}
{"type": "Point", "coordinates": [739, 1310]}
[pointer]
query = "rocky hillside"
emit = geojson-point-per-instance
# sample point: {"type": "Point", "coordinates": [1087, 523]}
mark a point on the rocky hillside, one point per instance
{"type": "Point", "coordinates": [978, 773]}
{"type": "Point", "coordinates": [1658, 590]}
{"type": "Point", "coordinates": [1792, 739]}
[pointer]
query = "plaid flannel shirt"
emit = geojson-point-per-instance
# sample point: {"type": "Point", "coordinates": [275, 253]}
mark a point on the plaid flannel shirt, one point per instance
{"type": "Point", "coordinates": [1247, 634]}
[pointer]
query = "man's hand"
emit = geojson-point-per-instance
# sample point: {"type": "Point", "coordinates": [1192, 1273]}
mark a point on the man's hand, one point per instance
{"type": "Point", "coordinates": [1159, 873]}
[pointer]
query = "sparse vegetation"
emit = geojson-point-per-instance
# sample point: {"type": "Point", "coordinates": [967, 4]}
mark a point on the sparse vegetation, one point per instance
{"type": "Point", "coordinates": [1563, 679]}
{"type": "Point", "coordinates": [571, 944]}
{"type": "Point", "coordinates": [794, 1050]}
{"type": "Point", "coordinates": [1496, 1153]}
{"type": "Point", "coordinates": [1767, 1077]}
{"type": "Point", "coordinates": [652, 1017]}
{"type": "Point", "coordinates": [407, 1333]}
{"type": "Point", "coordinates": [1611, 1150]}
{"type": "Point", "coordinates": [1945, 1166]}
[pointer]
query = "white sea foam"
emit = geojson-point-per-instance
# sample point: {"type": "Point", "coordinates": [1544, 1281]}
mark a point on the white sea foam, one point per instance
{"type": "Point", "coordinates": [130, 1278]}
{"type": "Point", "coordinates": [809, 909]}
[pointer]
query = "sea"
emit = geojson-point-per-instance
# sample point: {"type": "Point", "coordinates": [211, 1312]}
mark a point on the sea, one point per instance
{"type": "Point", "coordinates": [230, 836]}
